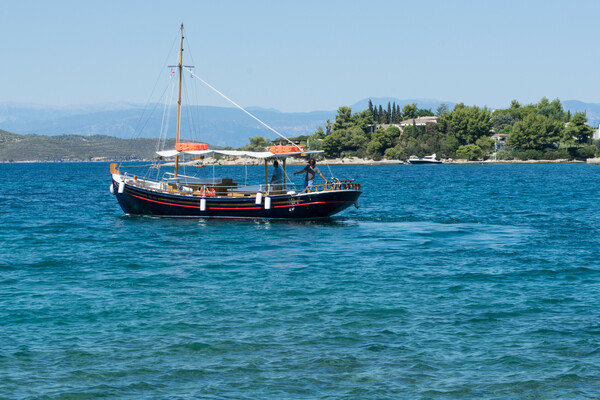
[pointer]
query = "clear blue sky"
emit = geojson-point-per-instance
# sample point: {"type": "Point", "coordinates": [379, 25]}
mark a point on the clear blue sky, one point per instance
{"type": "Point", "coordinates": [304, 55]}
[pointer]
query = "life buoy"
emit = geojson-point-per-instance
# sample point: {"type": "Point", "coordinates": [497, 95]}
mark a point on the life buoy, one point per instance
{"type": "Point", "coordinates": [286, 149]}
{"type": "Point", "coordinates": [190, 146]}
{"type": "Point", "coordinates": [207, 191]}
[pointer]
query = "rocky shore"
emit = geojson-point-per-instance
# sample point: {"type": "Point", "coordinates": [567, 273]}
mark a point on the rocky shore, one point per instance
{"type": "Point", "coordinates": [366, 161]}
{"type": "Point", "coordinates": [333, 161]}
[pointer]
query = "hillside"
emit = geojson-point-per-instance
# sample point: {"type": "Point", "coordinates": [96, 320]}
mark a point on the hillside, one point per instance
{"type": "Point", "coordinates": [15, 148]}
{"type": "Point", "coordinates": [220, 126]}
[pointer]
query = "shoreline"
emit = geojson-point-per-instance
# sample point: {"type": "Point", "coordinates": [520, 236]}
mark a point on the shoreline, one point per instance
{"type": "Point", "coordinates": [334, 161]}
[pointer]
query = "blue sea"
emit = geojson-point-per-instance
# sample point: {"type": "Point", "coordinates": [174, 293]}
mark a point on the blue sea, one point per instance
{"type": "Point", "coordinates": [449, 282]}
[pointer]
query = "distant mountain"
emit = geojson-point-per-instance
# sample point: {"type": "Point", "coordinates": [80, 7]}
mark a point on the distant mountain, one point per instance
{"type": "Point", "coordinates": [219, 126]}
{"type": "Point", "coordinates": [592, 110]}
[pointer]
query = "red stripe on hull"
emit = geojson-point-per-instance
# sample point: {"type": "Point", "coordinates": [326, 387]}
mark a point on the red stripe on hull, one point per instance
{"type": "Point", "coordinates": [239, 208]}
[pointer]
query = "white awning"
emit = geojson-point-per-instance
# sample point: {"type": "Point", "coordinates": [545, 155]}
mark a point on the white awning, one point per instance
{"type": "Point", "coordinates": [167, 153]}
{"type": "Point", "coordinates": [237, 153]}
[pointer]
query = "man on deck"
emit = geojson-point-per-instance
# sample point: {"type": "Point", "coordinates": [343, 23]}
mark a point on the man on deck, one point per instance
{"type": "Point", "coordinates": [311, 169]}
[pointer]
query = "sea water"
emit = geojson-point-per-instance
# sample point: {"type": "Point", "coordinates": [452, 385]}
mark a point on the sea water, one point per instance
{"type": "Point", "coordinates": [449, 282]}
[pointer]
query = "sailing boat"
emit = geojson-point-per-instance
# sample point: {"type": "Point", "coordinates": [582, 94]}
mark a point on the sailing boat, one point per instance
{"type": "Point", "coordinates": [177, 195]}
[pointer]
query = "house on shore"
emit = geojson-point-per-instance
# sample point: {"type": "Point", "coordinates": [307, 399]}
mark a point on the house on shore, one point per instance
{"type": "Point", "coordinates": [420, 121]}
{"type": "Point", "coordinates": [501, 139]}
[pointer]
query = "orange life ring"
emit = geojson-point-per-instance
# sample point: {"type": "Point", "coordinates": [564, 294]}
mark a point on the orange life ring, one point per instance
{"type": "Point", "coordinates": [190, 146]}
{"type": "Point", "coordinates": [286, 149]}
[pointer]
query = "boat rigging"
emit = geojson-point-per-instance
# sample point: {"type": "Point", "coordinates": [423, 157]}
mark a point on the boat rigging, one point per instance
{"type": "Point", "coordinates": [177, 195]}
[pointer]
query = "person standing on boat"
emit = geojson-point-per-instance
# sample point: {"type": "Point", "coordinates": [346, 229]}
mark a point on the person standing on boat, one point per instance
{"type": "Point", "coordinates": [311, 170]}
{"type": "Point", "coordinates": [277, 178]}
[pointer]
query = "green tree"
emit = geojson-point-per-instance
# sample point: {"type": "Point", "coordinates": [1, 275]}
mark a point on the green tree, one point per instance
{"type": "Point", "coordinates": [535, 132]}
{"type": "Point", "coordinates": [395, 153]}
{"type": "Point", "coordinates": [449, 146]}
{"type": "Point", "coordinates": [577, 131]}
{"type": "Point", "coordinates": [333, 144]}
{"type": "Point", "coordinates": [362, 120]}
{"type": "Point", "coordinates": [328, 127]}
{"type": "Point", "coordinates": [442, 109]}
{"type": "Point", "coordinates": [502, 120]}
{"type": "Point", "coordinates": [424, 112]}
{"type": "Point", "coordinates": [515, 110]}
{"type": "Point", "coordinates": [318, 134]}
{"type": "Point", "coordinates": [469, 152]}
{"type": "Point", "coordinates": [343, 118]}
{"type": "Point", "coordinates": [355, 139]}
{"type": "Point", "coordinates": [552, 110]}
{"type": "Point", "coordinates": [586, 152]}
{"type": "Point", "coordinates": [374, 149]}
{"type": "Point", "coordinates": [381, 140]}
{"type": "Point", "coordinates": [486, 144]}
{"type": "Point", "coordinates": [344, 142]}
{"type": "Point", "coordinates": [257, 143]}
{"type": "Point", "coordinates": [467, 124]}
{"type": "Point", "coordinates": [409, 111]}
{"type": "Point", "coordinates": [315, 141]}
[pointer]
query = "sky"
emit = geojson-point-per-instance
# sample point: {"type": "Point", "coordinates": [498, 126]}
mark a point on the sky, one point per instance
{"type": "Point", "coordinates": [299, 56]}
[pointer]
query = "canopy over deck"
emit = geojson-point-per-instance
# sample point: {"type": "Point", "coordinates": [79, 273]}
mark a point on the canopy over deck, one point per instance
{"type": "Point", "coordinates": [266, 155]}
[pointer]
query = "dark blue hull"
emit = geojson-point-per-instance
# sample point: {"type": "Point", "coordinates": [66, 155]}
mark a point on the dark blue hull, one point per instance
{"type": "Point", "coordinates": [139, 201]}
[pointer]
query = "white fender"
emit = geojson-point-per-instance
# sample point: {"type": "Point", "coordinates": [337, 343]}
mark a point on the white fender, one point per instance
{"type": "Point", "coordinates": [267, 203]}
{"type": "Point", "coordinates": [258, 198]}
{"type": "Point", "coordinates": [121, 187]}
{"type": "Point", "coordinates": [112, 189]}
{"type": "Point", "coordinates": [203, 204]}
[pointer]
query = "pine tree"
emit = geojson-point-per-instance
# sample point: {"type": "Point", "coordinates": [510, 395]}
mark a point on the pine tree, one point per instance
{"type": "Point", "coordinates": [394, 117]}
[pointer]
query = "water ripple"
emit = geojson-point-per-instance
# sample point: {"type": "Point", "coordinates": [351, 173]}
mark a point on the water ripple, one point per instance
{"type": "Point", "coordinates": [451, 282]}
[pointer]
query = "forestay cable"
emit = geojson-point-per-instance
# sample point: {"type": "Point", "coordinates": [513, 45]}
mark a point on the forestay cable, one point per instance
{"type": "Point", "coordinates": [237, 105]}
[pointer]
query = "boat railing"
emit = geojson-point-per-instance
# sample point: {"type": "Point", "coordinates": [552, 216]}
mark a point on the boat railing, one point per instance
{"type": "Point", "coordinates": [248, 190]}
{"type": "Point", "coordinates": [334, 185]}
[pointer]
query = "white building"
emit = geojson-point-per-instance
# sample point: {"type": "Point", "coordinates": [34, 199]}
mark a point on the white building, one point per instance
{"type": "Point", "coordinates": [420, 121]}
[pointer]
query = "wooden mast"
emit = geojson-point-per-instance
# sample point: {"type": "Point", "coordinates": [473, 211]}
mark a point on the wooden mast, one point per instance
{"type": "Point", "coordinates": [180, 66]}
{"type": "Point", "coordinates": [266, 175]}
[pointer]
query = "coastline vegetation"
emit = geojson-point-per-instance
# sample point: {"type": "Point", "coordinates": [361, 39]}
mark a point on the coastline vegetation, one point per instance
{"type": "Point", "coordinates": [541, 131]}
{"type": "Point", "coordinates": [20, 148]}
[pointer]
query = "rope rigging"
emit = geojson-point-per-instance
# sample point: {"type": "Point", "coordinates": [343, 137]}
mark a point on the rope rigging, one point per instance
{"type": "Point", "coordinates": [237, 105]}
